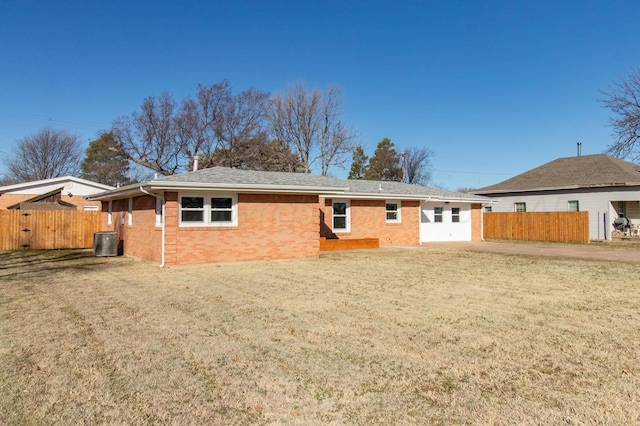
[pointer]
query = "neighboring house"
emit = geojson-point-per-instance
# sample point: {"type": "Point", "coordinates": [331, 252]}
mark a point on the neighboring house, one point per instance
{"type": "Point", "coordinates": [222, 214]}
{"type": "Point", "coordinates": [607, 187]}
{"type": "Point", "coordinates": [62, 193]}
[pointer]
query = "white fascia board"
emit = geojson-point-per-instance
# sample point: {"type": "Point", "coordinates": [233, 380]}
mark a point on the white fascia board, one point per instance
{"type": "Point", "coordinates": [191, 186]}
{"type": "Point", "coordinates": [425, 198]}
{"type": "Point", "coordinates": [559, 188]}
{"type": "Point", "coordinates": [37, 183]}
{"type": "Point", "coordinates": [112, 195]}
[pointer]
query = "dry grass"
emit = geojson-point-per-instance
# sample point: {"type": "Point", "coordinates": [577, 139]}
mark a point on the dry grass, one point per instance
{"type": "Point", "coordinates": [424, 336]}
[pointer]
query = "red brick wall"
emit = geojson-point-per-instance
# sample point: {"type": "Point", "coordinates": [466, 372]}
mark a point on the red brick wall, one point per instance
{"type": "Point", "coordinates": [142, 238]}
{"type": "Point", "coordinates": [368, 221]}
{"type": "Point", "coordinates": [269, 227]}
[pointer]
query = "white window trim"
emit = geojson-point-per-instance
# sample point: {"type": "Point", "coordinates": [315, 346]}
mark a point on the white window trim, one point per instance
{"type": "Point", "coordinates": [399, 211]}
{"type": "Point", "coordinates": [456, 215]}
{"type": "Point", "coordinates": [207, 209]}
{"type": "Point", "coordinates": [130, 212]}
{"type": "Point", "coordinates": [515, 206]}
{"type": "Point", "coordinates": [577, 205]}
{"type": "Point", "coordinates": [347, 216]}
{"type": "Point", "coordinates": [159, 202]}
{"type": "Point", "coordinates": [441, 214]}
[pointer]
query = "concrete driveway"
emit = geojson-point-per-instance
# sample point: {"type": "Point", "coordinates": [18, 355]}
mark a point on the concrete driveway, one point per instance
{"type": "Point", "coordinates": [616, 252]}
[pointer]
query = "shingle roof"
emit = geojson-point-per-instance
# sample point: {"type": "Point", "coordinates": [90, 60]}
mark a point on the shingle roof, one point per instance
{"type": "Point", "coordinates": [218, 178]}
{"type": "Point", "coordinates": [350, 187]}
{"type": "Point", "coordinates": [587, 171]}
{"type": "Point", "coordinates": [226, 175]}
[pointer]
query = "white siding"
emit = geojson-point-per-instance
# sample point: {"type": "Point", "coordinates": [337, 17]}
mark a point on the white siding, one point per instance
{"type": "Point", "coordinates": [431, 231]}
{"type": "Point", "coordinates": [597, 202]}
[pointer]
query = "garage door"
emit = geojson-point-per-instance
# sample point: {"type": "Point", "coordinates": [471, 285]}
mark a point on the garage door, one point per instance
{"type": "Point", "coordinates": [445, 222]}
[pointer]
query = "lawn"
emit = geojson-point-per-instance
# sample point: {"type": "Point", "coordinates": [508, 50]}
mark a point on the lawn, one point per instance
{"type": "Point", "coordinates": [390, 336]}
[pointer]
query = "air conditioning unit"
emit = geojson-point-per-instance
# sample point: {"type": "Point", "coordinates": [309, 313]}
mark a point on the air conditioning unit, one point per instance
{"type": "Point", "coordinates": [105, 244]}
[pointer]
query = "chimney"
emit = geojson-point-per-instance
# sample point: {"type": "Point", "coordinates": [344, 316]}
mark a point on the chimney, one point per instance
{"type": "Point", "coordinates": [195, 162]}
{"type": "Point", "coordinates": [579, 149]}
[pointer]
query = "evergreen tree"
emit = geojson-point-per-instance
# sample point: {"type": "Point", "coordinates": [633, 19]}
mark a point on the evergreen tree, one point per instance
{"type": "Point", "coordinates": [359, 166]}
{"type": "Point", "coordinates": [103, 164]}
{"type": "Point", "coordinates": [385, 163]}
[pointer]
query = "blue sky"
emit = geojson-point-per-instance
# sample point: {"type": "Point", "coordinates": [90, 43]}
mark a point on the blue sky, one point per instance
{"type": "Point", "coordinates": [493, 88]}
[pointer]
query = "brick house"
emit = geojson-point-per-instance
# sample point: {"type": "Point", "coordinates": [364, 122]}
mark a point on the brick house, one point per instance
{"type": "Point", "coordinates": [222, 214]}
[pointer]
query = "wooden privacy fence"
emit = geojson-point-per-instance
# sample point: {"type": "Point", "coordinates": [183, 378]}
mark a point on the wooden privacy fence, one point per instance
{"type": "Point", "coordinates": [563, 227]}
{"type": "Point", "coordinates": [48, 229]}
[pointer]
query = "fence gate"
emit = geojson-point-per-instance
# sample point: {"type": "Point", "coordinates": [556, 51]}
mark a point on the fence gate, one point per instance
{"type": "Point", "coordinates": [48, 229]}
{"type": "Point", "coordinates": [26, 228]}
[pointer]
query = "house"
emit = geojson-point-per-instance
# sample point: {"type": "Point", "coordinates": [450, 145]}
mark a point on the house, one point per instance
{"type": "Point", "coordinates": [61, 193]}
{"type": "Point", "coordinates": [222, 214]}
{"type": "Point", "coordinates": [607, 187]}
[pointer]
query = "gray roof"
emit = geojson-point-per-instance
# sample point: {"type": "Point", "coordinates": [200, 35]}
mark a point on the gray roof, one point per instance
{"type": "Point", "coordinates": [219, 178]}
{"type": "Point", "coordinates": [589, 171]}
{"type": "Point", "coordinates": [226, 175]}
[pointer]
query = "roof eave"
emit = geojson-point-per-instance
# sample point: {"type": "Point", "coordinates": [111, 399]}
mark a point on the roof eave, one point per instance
{"type": "Point", "coordinates": [198, 186]}
{"type": "Point", "coordinates": [557, 188]}
{"type": "Point", "coordinates": [417, 197]}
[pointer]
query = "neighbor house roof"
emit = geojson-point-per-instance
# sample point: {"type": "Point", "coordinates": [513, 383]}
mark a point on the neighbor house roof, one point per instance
{"type": "Point", "coordinates": [48, 201]}
{"type": "Point", "coordinates": [589, 171]}
{"type": "Point", "coordinates": [65, 181]}
{"type": "Point", "coordinates": [239, 180]}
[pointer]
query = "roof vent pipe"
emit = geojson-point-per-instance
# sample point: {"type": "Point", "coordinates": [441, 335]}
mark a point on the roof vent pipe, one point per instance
{"type": "Point", "coordinates": [195, 162]}
{"type": "Point", "coordinates": [579, 149]}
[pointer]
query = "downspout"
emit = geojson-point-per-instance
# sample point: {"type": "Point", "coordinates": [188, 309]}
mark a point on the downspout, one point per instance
{"type": "Point", "coordinates": [162, 216]}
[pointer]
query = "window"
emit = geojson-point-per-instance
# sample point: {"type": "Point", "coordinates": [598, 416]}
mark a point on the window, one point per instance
{"type": "Point", "coordinates": [130, 212]}
{"type": "Point", "coordinates": [437, 214]}
{"type": "Point", "coordinates": [520, 207]}
{"type": "Point", "coordinates": [574, 206]}
{"type": "Point", "coordinates": [221, 209]}
{"type": "Point", "coordinates": [488, 209]}
{"type": "Point", "coordinates": [192, 209]}
{"type": "Point", "coordinates": [208, 211]}
{"type": "Point", "coordinates": [90, 208]}
{"type": "Point", "coordinates": [392, 212]}
{"type": "Point", "coordinates": [110, 213]}
{"type": "Point", "coordinates": [341, 216]}
{"type": "Point", "coordinates": [455, 214]}
{"type": "Point", "coordinates": [159, 202]}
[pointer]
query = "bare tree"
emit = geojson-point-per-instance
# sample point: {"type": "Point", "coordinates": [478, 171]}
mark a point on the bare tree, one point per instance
{"type": "Point", "coordinates": [148, 138]}
{"type": "Point", "coordinates": [165, 138]}
{"type": "Point", "coordinates": [336, 140]}
{"type": "Point", "coordinates": [417, 165]}
{"type": "Point", "coordinates": [199, 121]}
{"type": "Point", "coordinates": [623, 100]}
{"type": "Point", "coordinates": [243, 122]}
{"type": "Point", "coordinates": [47, 154]}
{"type": "Point", "coordinates": [310, 123]}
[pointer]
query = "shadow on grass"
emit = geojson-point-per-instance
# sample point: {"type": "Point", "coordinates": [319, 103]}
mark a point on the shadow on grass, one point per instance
{"type": "Point", "coordinates": [22, 263]}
